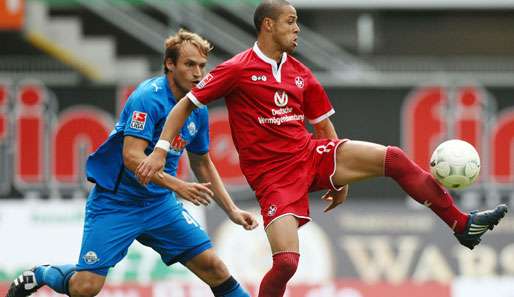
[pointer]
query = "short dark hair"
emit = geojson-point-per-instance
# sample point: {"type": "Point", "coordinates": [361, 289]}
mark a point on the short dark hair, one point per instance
{"type": "Point", "coordinates": [267, 9]}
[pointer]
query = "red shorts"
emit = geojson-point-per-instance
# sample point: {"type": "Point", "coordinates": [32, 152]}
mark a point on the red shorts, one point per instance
{"type": "Point", "coordinates": [288, 194]}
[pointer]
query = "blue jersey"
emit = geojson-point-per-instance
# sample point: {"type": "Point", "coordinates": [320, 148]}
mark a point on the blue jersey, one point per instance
{"type": "Point", "coordinates": [143, 117]}
{"type": "Point", "coordinates": [119, 209]}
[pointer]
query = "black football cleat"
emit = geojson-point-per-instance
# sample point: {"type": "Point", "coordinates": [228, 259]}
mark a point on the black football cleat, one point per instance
{"type": "Point", "coordinates": [479, 223]}
{"type": "Point", "coordinates": [24, 285]}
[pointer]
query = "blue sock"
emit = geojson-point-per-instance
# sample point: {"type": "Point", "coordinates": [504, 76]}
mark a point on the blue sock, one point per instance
{"type": "Point", "coordinates": [56, 277]}
{"type": "Point", "coordinates": [230, 288]}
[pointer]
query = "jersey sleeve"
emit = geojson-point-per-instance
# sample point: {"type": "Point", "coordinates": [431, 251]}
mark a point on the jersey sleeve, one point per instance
{"type": "Point", "coordinates": [142, 115]}
{"type": "Point", "coordinates": [216, 84]}
{"type": "Point", "coordinates": [200, 143]}
{"type": "Point", "coordinates": [317, 106]}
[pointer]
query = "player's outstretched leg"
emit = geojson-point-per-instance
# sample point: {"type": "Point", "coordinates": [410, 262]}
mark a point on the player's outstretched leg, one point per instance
{"type": "Point", "coordinates": [479, 223]}
{"type": "Point", "coordinates": [29, 281]}
{"type": "Point", "coordinates": [421, 186]}
{"type": "Point", "coordinates": [358, 160]}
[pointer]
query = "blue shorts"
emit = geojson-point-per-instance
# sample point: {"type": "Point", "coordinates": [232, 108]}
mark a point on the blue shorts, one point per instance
{"type": "Point", "coordinates": [111, 226]}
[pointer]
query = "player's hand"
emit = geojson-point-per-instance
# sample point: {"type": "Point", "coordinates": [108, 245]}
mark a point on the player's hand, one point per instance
{"type": "Point", "coordinates": [335, 198]}
{"type": "Point", "coordinates": [150, 165]}
{"type": "Point", "coordinates": [198, 194]}
{"type": "Point", "coordinates": [244, 218]}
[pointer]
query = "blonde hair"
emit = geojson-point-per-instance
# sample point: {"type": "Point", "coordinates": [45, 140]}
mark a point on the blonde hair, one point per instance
{"type": "Point", "coordinates": [173, 43]}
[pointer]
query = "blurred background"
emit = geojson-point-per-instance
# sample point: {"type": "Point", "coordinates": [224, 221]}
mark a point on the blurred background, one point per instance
{"type": "Point", "coordinates": [405, 73]}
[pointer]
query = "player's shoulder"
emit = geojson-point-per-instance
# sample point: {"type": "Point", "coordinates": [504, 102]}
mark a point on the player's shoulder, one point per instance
{"type": "Point", "coordinates": [298, 65]}
{"type": "Point", "coordinates": [239, 60]}
{"type": "Point", "coordinates": [153, 86]}
{"type": "Point", "coordinates": [151, 90]}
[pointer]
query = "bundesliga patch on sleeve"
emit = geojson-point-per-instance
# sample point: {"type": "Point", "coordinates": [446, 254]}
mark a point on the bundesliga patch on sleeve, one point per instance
{"type": "Point", "coordinates": [138, 120]}
{"type": "Point", "coordinates": [205, 81]}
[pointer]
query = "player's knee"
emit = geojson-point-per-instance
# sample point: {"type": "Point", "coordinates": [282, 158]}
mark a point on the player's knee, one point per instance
{"type": "Point", "coordinates": [217, 269]}
{"type": "Point", "coordinates": [287, 269]}
{"type": "Point", "coordinates": [85, 285]}
{"type": "Point", "coordinates": [397, 152]}
{"type": "Point", "coordinates": [86, 289]}
{"type": "Point", "coordinates": [397, 163]}
{"type": "Point", "coordinates": [286, 264]}
{"type": "Point", "coordinates": [211, 268]}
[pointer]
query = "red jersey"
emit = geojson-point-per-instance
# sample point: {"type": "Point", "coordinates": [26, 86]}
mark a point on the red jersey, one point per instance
{"type": "Point", "coordinates": [267, 105]}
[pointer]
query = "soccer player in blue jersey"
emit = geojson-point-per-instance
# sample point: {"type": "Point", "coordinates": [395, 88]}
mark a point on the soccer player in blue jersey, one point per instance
{"type": "Point", "coordinates": [120, 210]}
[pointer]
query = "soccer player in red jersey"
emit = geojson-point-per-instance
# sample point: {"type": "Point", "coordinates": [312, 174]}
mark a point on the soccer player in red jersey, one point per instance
{"type": "Point", "coordinates": [269, 94]}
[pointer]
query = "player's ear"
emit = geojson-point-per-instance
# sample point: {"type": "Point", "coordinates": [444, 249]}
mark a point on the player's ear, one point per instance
{"type": "Point", "coordinates": [170, 65]}
{"type": "Point", "coordinates": [267, 24]}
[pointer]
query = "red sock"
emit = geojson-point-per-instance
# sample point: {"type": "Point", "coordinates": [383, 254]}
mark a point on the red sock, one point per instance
{"type": "Point", "coordinates": [274, 282]}
{"type": "Point", "coordinates": [421, 186]}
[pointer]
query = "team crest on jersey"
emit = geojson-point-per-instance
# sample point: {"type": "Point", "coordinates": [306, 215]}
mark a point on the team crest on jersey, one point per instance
{"type": "Point", "coordinates": [191, 128]}
{"type": "Point", "coordinates": [281, 98]}
{"type": "Point", "coordinates": [90, 258]}
{"type": "Point", "coordinates": [138, 120]}
{"type": "Point", "coordinates": [272, 210]}
{"type": "Point", "coordinates": [299, 82]}
{"type": "Point", "coordinates": [205, 81]}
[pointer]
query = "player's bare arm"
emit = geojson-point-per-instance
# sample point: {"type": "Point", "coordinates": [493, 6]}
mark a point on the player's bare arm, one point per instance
{"type": "Point", "coordinates": [205, 171]}
{"type": "Point", "coordinates": [325, 129]}
{"type": "Point", "coordinates": [134, 153]}
{"type": "Point", "coordinates": [153, 163]}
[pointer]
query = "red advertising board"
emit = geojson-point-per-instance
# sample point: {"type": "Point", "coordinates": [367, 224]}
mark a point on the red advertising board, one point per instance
{"type": "Point", "coordinates": [12, 14]}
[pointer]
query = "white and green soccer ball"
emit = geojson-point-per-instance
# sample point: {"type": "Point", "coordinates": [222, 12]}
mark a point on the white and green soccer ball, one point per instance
{"type": "Point", "coordinates": [455, 164]}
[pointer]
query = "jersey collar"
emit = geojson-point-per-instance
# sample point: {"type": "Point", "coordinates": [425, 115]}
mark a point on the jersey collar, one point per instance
{"type": "Point", "coordinates": [171, 96]}
{"type": "Point", "coordinates": [277, 70]}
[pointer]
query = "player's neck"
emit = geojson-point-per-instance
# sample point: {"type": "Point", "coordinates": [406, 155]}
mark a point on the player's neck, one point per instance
{"type": "Point", "coordinates": [270, 49]}
{"type": "Point", "coordinates": [177, 92]}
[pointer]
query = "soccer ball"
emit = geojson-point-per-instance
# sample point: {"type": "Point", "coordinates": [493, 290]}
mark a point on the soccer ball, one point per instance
{"type": "Point", "coordinates": [455, 164]}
